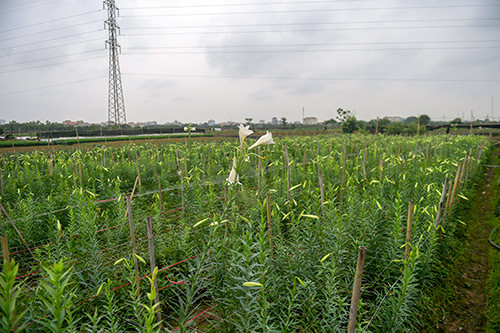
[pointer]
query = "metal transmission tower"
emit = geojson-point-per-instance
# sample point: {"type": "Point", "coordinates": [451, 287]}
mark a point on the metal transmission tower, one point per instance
{"type": "Point", "coordinates": [116, 106]}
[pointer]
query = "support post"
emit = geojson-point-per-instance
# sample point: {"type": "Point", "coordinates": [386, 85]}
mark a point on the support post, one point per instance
{"type": "Point", "coordinates": [269, 225]}
{"type": "Point", "coordinates": [441, 203]}
{"type": "Point", "coordinates": [152, 264]}
{"type": "Point", "coordinates": [160, 193]}
{"type": "Point", "coordinates": [356, 290]}
{"type": "Point", "coordinates": [408, 229]}
{"type": "Point", "coordinates": [132, 237]}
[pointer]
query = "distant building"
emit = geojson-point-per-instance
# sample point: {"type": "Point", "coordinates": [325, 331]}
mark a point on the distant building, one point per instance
{"type": "Point", "coordinates": [150, 123]}
{"type": "Point", "coordinates": [274, 121]}
{"type": "Point", "coordinates": [395, 119]}
{"type": "Point", "coordinates": [310, 121]}
{"type": "Point", "coordinates": [2, 122]}
{"type": "Point", "coordinates": [211, 122]}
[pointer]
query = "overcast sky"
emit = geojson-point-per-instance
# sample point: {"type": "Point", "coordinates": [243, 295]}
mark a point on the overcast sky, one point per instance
{"type": "Point", "coordinates": [196, 60]}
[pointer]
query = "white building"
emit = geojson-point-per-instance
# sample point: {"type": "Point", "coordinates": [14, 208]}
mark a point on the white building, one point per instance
{"type": "Point", "coordinates": [310, 121]}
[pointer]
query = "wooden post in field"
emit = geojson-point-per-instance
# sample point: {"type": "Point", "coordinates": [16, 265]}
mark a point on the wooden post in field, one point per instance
{"type": "Point", "coordinates": [1, 183]}
{"type": "Point", "coordinates": [321, 190]}
{"type": "Point", "coordinates": [344, 165]}
{"type": "Point", "coordinates": [152, 263]}
{"type": "Point", "coordinates": [469, 165]}
{"type": "Point", "coordinates": [408, 229]}
{"type": "Point", "coordinates": [441, 202]}
{"type": "Point", "coordinates": [287, 168]}
{"type": "Point", "coordinates": [138, 169]}
{"type": "Point", "coordinates": [457, 181]}
{"type": "Point", "coordinates": [160, 193]}
{"type": "Point", "coordinates": [5, 249]}
{"type": "Point", "coordinates": [51, 166]}
{"type": "Point", "coordinates": [364, 164]}
{"type": "Point", "coordinates": [269, 225]}
{"type": "Point", "coordinates": [259, 169]}
{"type": "Point", "coordinates": [132, 237]}
{"type": "Point", "coordinates": [185, 164]}
{"type": "Point", "coordinates": [17, 230]}
{"type": "Point", "coordinates": [356, 290]}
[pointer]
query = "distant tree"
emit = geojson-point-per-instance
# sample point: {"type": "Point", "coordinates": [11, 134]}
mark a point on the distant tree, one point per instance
{"type": "Point", "coordinates": [424, 120]}
{"type": "Point", "coordinates": [456, 121]}
{"type": "Point", "coordinates": [283, 121]}
{"type": "Point", "coordinates": [349, 125]}
{"type": "Point", "coordinates": [249, 120]}
{"type": "Point", "coordinates": [342, 115]}
{"type": "Point", "coordinates": [395, 128]}
{"type": "Point", "coordinates": [377, 125]}
{"type": "Point", "coordinates": [410, 120]}
{"type": "Point", "coordinates": [330, 122]}
{"type": "Point", "coordinates": [411, 129]}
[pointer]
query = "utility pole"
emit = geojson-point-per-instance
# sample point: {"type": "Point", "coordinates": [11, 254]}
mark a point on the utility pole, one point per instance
{"type": "Point", "coordinates": [116, 106]}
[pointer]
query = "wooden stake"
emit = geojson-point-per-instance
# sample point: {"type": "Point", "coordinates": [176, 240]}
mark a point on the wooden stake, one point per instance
{"type": "Point", "coordinates": [259, 170]}
{"type": "Point", "coordinates": [160, 193]}
{"type": "Point", "coordinates": [1, 184]}
{"type": "Point", "coordinates": [287, 169]}
{"type": "Point", "coordinates": [441, 202]}
{"type": "Point", "coordinates": [455, 185]}
{"type": "Point", "coordinates": [152, 264]}
{"type": "Point", "coordinates": [408, 229]}
{"type": "Point", "coordinates": [138, 169]}
{"type": "Point", "coordinates": [17, 230]}
{"type": "Point", "coordinates": [5, 250]}
{"type": "Point", "coordinates": [321, 189]}
{"type": "Point", "coordinates": [356, 290]}
{"type": "Point", "coordinates": [132, 237]}
{"type": "Point", "coordinates": [269, 225]}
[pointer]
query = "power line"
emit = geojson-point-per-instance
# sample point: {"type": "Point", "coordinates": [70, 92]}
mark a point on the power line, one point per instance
{"type": "Point", "coordinates": [53, 85]}
{"type": "Point", "coordinates": [50, 47]}
{"type": "Point", "coordinates": [50, 58]}
{"type": "Point", "coordinates": [15, 8]}
{"type": "Point", "coordinates": [244, 4]}
{"type": "Point", "coordinates": [51, 39]}
{"type": "Point", "coordinates": [311, 78]}
{"type": "Point", "coordinates": [50, 21]}
{"type": "Point", "coordinates": [310, 30]}
{"type": "Point", "coordinates": [320, 51]}
{"type": "Point", "coordinates": [313, 23]}
{"type": "Point", "coordinates": [45, 31]}
{"type": "Point", "coordinates": [48, 65]}
{"type": "Point", "coordinates": [320, 44]}
{"type": "Point", "coordinates": [318, 10]}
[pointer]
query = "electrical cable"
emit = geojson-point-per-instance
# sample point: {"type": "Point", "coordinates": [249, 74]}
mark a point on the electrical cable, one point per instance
{"type": "Point", "coordinates": [310, 78]}
{"type": "Point", "coordinates": [55, 57]}
{"type": "Point", "coordinates": [30, 5]}
{"type": "Point", "coordinates": [312, 30]}
{"type": "Point", "coordinates": [316, 23]}
{"type": "Point", "coordinates": [51, 39]}
{"type": "Point", "coordinates": [318, 44]}
{"type": "Point", "coordinates": [320, 51]}
{"type": "Point", "coordinates": [48, 65]}
{"type": "Point", "coordinates": [55, 29]}
{"type": "Point", "coordinates": [51, 47]}
{"type": "Point", "coordinates": [53, 85]}
{"type": "Point", "coordinates": [318, 10]}
{"type": "Point", "coordinates": [50, 21]}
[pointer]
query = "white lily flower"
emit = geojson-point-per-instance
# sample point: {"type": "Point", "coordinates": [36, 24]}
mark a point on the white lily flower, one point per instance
{"type": "Point", "coordinates": [266, 139]}
{"type": "Point", "coordinates": [185, 129]}
{"type": "Point", "coordinates": [244, 132]}
{"type": "Point", "coordinates": [232, 176]}
{"type": "Point", "coordinates": [193, 129]}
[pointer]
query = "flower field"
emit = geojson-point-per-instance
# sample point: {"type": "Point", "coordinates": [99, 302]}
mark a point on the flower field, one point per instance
{"type": "Point", "coordinates": [264, 238]}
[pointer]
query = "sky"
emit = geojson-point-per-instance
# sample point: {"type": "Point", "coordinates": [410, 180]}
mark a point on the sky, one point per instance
{"type": "Point", "coordinates": [195, 60]}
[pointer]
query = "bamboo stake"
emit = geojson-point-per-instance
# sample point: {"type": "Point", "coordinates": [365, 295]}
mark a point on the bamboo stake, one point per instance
{"type": "Point", "coordinates": [287, 165]}
{"type": "Point", "coordinates": [138, 169]}
{"type": "Point", "coordinates": [152, 264]}
{"type": "Point", "coordinates": [5, 250]}
{"type": "Point", "coordinates": [159, 193]}
{"type": "Point", "coordinates": [259, 170]}
{"type": "Point", "coordinates": [356, 290]}
{"type": "Point", "coordinates": [321, 189]}
{"type": "Point", "coordinates": [457, 181]}
{"type": "Point", "coordinates": [17, 230]}
{"type": "Point", "coordinates": [408, 229]}
{"type": "Point", "coordinates": [269, 225]}
{"type": "Point", "coordinates": [132, 237]}
{"type": "Point", "coordinates": [441, 202]}
{"type": "Point", "coordinates": [1, 183]}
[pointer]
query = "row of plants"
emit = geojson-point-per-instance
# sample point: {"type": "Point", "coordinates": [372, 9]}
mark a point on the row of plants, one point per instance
{"type": "Point", "coordinates": [292, 271]}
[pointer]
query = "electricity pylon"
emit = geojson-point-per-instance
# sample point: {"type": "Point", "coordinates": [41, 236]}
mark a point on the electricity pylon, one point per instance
{"type": "Point", "coordinates": [116, 106]}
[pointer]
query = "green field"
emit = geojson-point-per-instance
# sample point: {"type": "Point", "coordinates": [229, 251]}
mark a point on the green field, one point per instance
{"type": "Point", "coordinates": [224, 266]}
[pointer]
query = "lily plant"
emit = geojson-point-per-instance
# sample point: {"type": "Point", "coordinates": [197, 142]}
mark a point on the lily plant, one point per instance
{"type": "Point", "coordinates": [243, 153]}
